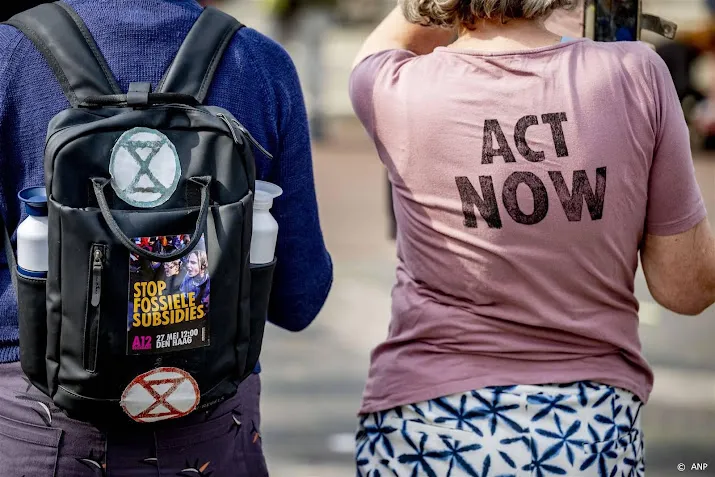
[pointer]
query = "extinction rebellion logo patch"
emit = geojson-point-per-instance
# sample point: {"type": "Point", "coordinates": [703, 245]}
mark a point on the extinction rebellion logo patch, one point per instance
{"type": "Point", "coordinates": [161, 394]}
{"type": "Point", "coordinates": [145, 168]}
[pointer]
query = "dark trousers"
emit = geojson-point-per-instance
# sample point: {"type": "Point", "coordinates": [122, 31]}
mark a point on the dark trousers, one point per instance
{"type": "Point", "coordinates": [38, 440]}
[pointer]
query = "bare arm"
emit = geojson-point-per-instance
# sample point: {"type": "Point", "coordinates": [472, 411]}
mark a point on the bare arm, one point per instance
{"type": "Point", "coordinates": [680, 269]}
{"type": "Point", "coordinates": [395, 32]}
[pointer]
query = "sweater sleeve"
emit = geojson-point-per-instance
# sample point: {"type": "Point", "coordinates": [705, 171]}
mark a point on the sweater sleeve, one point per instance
{"type": "Point", "coordinates": [304, 271]}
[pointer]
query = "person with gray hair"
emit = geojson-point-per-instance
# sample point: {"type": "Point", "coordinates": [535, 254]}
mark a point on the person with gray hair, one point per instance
{"type": "Point", "coordinates": [450, 13]}
{"type": "Point", "coordinates": [530, 171]}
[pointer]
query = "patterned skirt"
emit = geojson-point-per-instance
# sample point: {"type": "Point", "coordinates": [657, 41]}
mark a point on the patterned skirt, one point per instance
{"type": "Point", "coordinates": [583, 429]}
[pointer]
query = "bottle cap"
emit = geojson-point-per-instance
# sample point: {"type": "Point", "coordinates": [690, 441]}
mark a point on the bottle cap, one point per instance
{"type": "Point", "coordinates": [265, 193]}
{"type": "Point", "coordinates": [35, 200]}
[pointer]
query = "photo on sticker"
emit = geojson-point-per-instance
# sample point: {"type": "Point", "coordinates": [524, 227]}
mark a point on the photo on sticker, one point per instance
{"type": "Point", "coordinates": [145, 270]}
{"type": "Point", "coordinates": [197, 280]}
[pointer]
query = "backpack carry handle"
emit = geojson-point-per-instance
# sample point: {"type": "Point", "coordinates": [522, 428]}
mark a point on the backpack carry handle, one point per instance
{"type": "Point", "coordinates": [122, 100]}
{"type": "Point", "coordinates": [99, 183]}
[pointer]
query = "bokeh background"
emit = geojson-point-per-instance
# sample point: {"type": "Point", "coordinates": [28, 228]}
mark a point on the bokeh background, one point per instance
{"type": "Point", "coordinates": [312, 381]}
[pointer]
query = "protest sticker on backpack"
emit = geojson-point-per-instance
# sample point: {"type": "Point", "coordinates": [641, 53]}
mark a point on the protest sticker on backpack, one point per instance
{"type": "Point", "coordinates": [168, 302]}
{"type": "Point", "coordinates": [145, 168]}
{"type": "Point", "coordinates": [160, 394]}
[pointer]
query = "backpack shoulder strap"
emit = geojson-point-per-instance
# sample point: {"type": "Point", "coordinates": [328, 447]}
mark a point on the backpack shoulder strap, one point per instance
{"type": "Point", "coordinates": [193, 69]}
{"type": "Point", "coordinates": [69, 49]}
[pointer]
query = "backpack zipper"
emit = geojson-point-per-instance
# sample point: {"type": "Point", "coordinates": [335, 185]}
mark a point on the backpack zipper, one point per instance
{"type": "Point", "coordinates": [245, 132]}
{"type": "Point", "coordinates": [93, 308]}
{"type": "Point", "coordinates": [252, 139]}
{"type": "Point", "coordinates": [97, 266]}
{"type": "Point", "coordinates": [236, 139]}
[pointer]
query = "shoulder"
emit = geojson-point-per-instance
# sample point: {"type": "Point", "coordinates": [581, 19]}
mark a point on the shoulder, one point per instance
{"type": "Point", "coordinates": [12, 55]}
{"type": "Point", "coordinates": [634, 57]}
{"type": "Point", "coordinates": [10, 38]}
{"type": "Point", "coordinates": [637, 67]}
{"type": "Point", "coordinates": [262, 66]}
{"type": "Point", "coordinates": [386, 61]}
{"type": "Point", "coordinates": [260, 51]}
{"type": "Point", "coordinates": [381, 69]}
{"type": "Point", "coordinates": [258, 83]}
{"type": "Point", "coordinates": [632, 65]}
{"type": "Point", "coordinates": [373, 80]}
{"type": "Point", "coordinates": [259, 42]}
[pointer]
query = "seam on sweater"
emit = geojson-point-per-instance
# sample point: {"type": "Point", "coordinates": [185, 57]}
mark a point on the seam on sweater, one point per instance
{"type": "Point", "coordinates": [10, 71]}
{"type": "Point", "coordinates": [101, 61]}
{"type": "Point", "coordinates": [19, 37]}
{"type": "Point", "coordinates": [54, 65]}
{"type": "Point", "coordinates": [189, 3]}
{"type": "Point", "coordinates": [266, 81]}
{"type": "Point", "coordinates": [216, 58]}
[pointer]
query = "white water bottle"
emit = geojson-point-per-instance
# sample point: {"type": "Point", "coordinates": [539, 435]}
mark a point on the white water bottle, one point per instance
{"type": "Point", "coordinates": [32, 245]}
{"type": "Point", "coordinates": [265, 227]}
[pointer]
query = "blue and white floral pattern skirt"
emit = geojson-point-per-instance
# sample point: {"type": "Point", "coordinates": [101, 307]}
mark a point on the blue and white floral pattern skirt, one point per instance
{"type": "Point", "coordinates": [583, 429]}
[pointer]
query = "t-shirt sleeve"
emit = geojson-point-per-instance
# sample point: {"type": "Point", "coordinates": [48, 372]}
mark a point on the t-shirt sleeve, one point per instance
{"type": "Point", "coordinates": [371, 81]}
{"type": "Point", "coordinates": [675, 203]}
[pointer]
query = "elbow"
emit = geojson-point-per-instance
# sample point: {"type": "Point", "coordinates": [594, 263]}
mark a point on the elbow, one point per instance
{"type": "Point", "coordinates": [298, 318]}
{"type": "Point", "coordinates": [685, 309]}
{"type": "Point", "coordinates": [687, 303]}
{"type": "Point", "coordinates": [290, 320]}
{"type": "Point", "coordinates": [296, 314]}
{"type": "Point", "coordinates": [297, 325]}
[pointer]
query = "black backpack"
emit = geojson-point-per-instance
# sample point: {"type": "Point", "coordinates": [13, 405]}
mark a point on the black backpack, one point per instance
{"type": "Point", "coordinates": [151, 309]}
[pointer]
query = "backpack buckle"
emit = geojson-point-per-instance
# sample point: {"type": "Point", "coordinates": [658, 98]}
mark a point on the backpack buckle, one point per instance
{"type": "Point", "coordinates": [138, 94]}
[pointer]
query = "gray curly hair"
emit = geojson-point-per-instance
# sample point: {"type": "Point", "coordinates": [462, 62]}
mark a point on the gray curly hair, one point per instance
{"type": "Point", "coordinates": [453, 13]}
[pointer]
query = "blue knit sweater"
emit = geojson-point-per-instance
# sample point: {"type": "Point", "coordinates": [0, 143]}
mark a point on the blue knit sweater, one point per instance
{"type": "Point", "coordinates": [256, 81]}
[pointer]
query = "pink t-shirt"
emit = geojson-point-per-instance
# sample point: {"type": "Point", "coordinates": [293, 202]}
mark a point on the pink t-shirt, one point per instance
{"type": "Point", "coordinates": [523, 183]}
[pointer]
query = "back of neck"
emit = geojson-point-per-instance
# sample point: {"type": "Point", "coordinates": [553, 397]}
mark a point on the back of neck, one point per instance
{"type": "Point", "coordinates": [508, 35]}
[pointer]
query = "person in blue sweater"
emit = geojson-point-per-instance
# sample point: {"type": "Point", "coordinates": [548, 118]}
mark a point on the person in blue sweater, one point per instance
{"type": "Point", "coordinates": [256, 82]}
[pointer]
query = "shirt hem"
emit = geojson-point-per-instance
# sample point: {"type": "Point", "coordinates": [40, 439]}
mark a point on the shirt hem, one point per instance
{"type": "Point", "coordinates": [679, 227]}
{"type": "Point", "coordinates": [429, 393]}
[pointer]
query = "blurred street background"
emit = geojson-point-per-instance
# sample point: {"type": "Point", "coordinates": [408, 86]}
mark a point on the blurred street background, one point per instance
{"type": "Point", "coordinates": [312, 381]}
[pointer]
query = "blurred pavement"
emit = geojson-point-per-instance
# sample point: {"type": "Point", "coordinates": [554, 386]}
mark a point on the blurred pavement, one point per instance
{"type": "Point", "coordinates": [313, 380]}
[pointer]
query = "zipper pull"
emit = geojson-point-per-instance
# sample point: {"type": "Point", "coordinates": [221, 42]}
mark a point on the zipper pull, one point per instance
{"type": "Point", "coordinates": [236, 139]}
{"type": "Point", "coordinates": [245, 132]}
{"type": "Point", "coordinates": [253, 139]}
{"type": "Point", "coordinates": [97, 266]}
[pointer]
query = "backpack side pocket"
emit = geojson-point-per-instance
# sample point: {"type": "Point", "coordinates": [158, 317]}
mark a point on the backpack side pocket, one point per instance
{"type": "Point", "coordinates": [32, 308]}
{"type": "Point", "coordinates": [261, 285]}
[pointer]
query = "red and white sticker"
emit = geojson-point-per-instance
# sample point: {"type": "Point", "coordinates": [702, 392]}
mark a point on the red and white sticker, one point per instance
{"type": "Point", "coordinates": [161, 394]}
